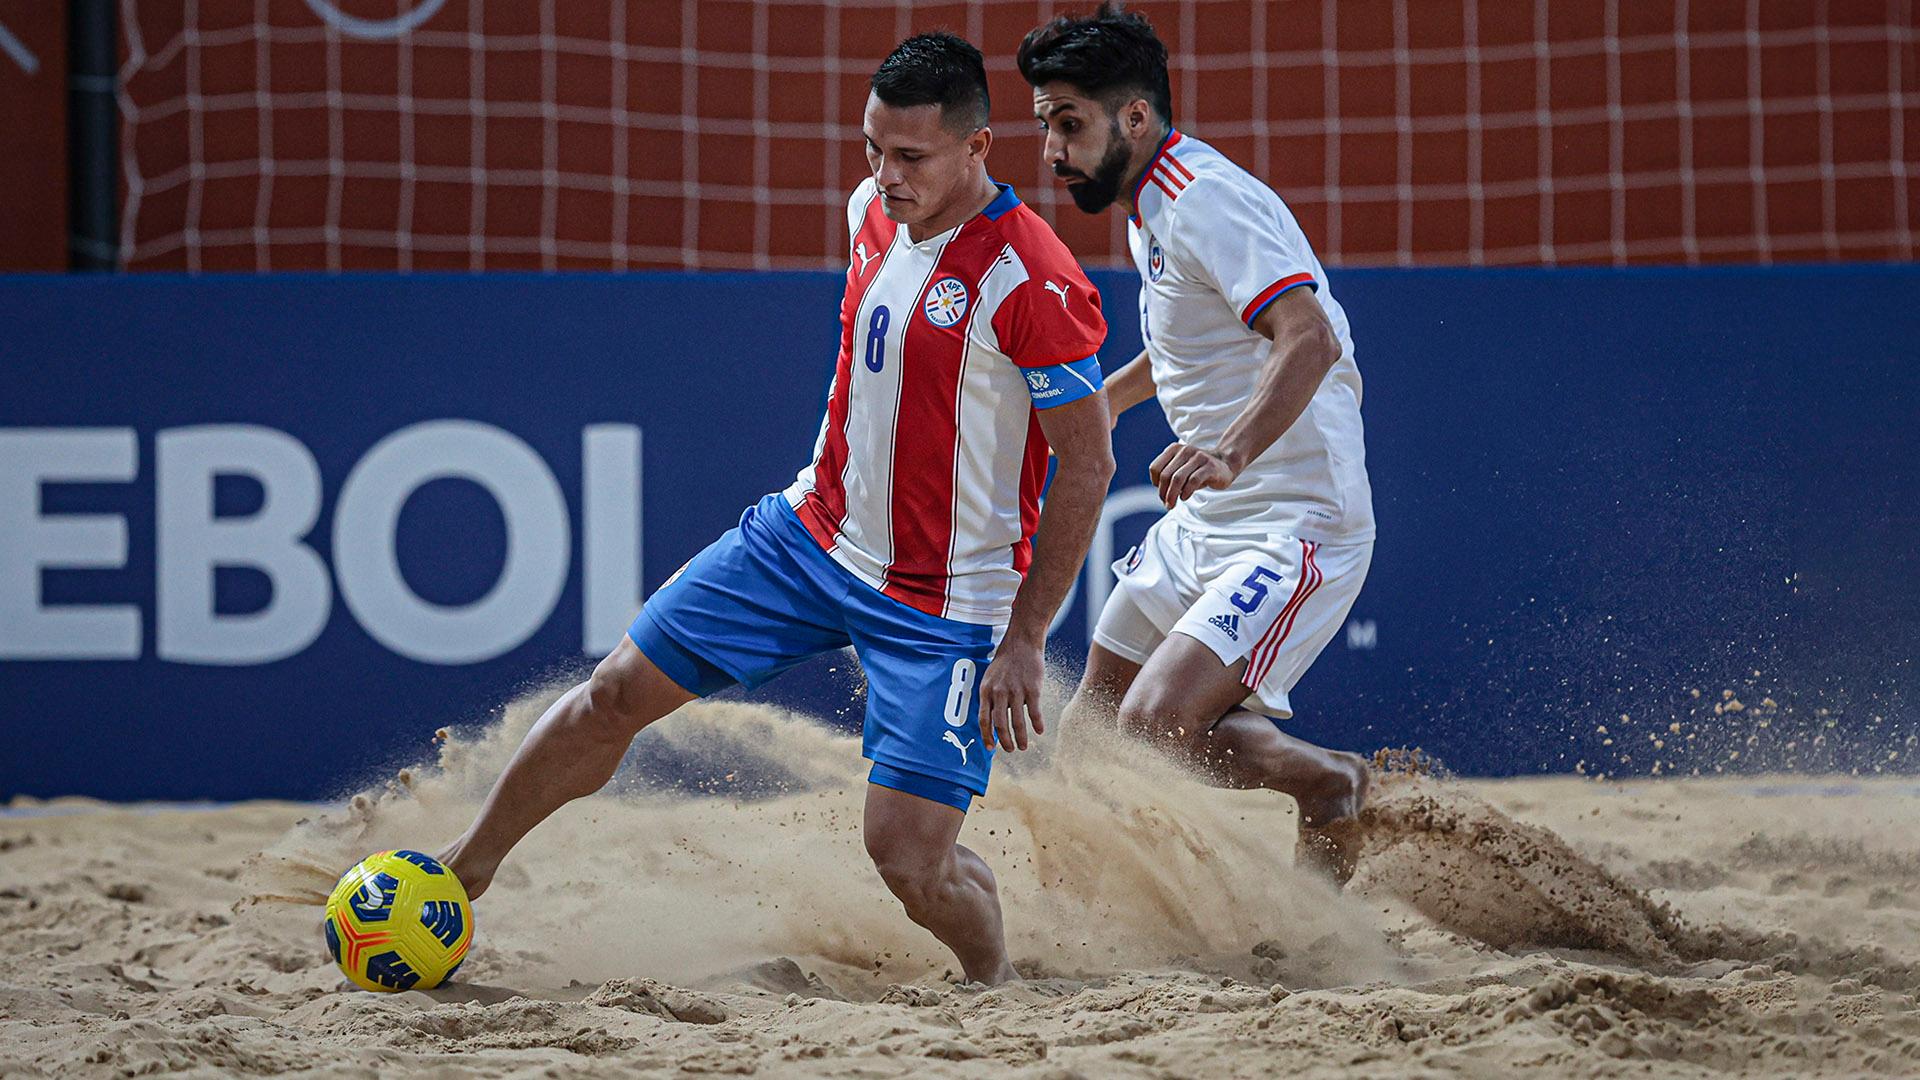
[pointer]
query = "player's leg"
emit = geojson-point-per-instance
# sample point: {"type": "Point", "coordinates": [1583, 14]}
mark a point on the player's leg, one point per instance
{"type": "Point", "coordinates": [923, 735]}
{"type": "Point", "coordinates": [1243, 643]}
{"type": "Point", "coordinates": [746, 608]}
{"type": "Point", "coordinates": [571, 752]}
{"type": "Point", "coordinates": [1125, 635]}
{"type": "Point", "coordinates": [1187, 701]}
{"type": "Point", "coordinates": [1102, 687]}
{"type": "Point", "coordinates": [944, 886]}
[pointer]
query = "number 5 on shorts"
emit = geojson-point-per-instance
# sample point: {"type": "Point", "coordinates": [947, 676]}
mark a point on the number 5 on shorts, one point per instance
{"type": "Point", "coordinates": [960, 692]}
{"type": "Point", "coordinates": [1253, 590]}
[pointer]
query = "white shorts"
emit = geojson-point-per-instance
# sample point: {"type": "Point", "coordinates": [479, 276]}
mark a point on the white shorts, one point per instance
{"type": "Point", "coordinates": [1273, 601]}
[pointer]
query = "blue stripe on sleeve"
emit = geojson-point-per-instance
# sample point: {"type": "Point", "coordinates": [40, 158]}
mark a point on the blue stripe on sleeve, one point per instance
{"type": "Point", "coordinates": [1059, 384]}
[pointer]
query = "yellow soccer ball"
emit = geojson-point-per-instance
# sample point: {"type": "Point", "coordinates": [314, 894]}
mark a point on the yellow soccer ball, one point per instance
{"type": "Point", "coordinates": [399, 921]}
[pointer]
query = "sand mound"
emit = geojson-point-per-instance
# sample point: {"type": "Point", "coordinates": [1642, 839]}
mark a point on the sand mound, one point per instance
{"type": "Point", "coordinates": [1476, 871]}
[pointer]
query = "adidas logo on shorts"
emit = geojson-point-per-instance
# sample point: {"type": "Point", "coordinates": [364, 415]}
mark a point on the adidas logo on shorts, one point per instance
{"type": "Point", "coordinates": [1228, 624]}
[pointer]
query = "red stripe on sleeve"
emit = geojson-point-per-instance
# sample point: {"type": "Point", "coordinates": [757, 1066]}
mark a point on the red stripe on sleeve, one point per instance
{"type": "Point", "coordinates": [1267, 294]}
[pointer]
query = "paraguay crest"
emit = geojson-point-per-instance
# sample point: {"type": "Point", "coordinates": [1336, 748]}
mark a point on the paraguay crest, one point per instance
{"type": "Point", "coordinates": [946, 302]}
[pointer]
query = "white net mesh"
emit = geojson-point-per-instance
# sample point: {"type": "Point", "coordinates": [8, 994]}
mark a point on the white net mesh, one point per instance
{"type": "Point", "coordinates": [497, 134]}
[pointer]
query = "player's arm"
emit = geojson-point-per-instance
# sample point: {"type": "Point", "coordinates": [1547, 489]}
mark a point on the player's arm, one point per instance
{"type": "Point", "coordinates": [1130, 386]}
{"type": "Point", "coordinates": [1302, 349]}
{"type": "Point", "coordinates": [1079, 432]}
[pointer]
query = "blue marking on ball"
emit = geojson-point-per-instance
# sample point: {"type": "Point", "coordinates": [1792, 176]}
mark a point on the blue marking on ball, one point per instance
{"type": "Point", "coordinates": [390, 971]}
{"type": "Point", "coordinates": [373, 900]}
{"type": "Point", "coordinates": [443, 920]}
{"type": "Point", "coordinates": [425, 862]}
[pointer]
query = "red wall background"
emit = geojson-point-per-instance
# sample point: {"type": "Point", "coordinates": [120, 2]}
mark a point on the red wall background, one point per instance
{"type": "Point", "coordinates": [720, 133]}
{"type": "Point", "coordinates": [33, 139]}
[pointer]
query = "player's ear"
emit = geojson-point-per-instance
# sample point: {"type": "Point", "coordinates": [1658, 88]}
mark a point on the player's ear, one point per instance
{"type": "Point", "coordinates": [979, 143]}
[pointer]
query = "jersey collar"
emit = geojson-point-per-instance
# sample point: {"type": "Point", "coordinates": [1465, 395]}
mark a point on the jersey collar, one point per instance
{"type": "Point", "coordinates": [1002, 202]}
{"type": "Point", "coordinates": [1166, 144]}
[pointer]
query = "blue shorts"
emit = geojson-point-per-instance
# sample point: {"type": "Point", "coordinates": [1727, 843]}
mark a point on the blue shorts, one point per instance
{"type": "Point", "coordinates": [764, 597]}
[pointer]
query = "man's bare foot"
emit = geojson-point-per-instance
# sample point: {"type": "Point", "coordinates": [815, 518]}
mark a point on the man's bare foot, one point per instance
{"type": "Point", "coordinates": [1006, 974]}
{"type": "Point", "coordinates": [1331, 851]}
{"type": "Point", "coordinates": [1331, 837]}
{"type": "Point", "coordinates": [474, 874]}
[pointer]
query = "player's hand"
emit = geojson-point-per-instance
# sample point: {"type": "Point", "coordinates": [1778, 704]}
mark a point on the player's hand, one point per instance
{"type": "Point", "coordinates": [1181, 470]}
{"type": "Point", "coordinates": [1010, 695]}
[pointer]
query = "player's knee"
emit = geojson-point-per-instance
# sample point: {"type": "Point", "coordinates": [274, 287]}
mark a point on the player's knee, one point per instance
{"type": "Point", "coordinates": [1139, 717]}
{"type": "Point", "coordinates": [911, 874]}
{"type": "Point", "coordinates": [615, 699]}
{"type": "Point", "coordinates": [1155, 711]}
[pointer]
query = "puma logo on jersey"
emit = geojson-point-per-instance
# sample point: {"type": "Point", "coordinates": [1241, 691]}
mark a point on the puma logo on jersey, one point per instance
{"type": "Point", "coordinates": [860, 252]}
{"type": "Point", "coordinates": [1228, 625]}
{"type": "Point", "coordinates": [954, 740]}
{"type": "Point", "coordinates": [1060, 289]}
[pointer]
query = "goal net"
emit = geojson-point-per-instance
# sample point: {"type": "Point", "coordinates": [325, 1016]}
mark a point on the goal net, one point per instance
{"type": "Point", "coordinates": [609, 134]}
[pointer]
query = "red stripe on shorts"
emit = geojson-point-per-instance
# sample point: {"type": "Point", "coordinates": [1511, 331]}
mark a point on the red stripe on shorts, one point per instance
{"type": "Point", "coordinates": [1269, 647]}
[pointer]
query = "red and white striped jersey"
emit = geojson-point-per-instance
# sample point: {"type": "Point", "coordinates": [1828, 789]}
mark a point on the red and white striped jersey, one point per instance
{"type": "Point", "coordinates": [925, 482]}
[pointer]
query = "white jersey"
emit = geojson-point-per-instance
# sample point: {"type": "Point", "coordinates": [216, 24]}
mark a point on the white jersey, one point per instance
{"type": "Point", "coordinates": [1215, 246]}
{"type": "Point", "coordinates": [926, 479]}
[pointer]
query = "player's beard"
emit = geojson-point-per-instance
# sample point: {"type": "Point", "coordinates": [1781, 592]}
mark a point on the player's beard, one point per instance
{"type": "Point", "coordinates": [1098, 191]}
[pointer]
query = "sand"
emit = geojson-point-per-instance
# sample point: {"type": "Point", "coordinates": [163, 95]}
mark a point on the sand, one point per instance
{"type": "Point", "coordinates": [728, 922]}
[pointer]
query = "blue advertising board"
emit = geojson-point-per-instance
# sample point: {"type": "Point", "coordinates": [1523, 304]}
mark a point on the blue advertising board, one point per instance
{"type": "Point", "coordinates": [260, 536]}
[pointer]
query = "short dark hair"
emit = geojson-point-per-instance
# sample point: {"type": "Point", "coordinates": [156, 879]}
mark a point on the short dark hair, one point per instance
{"type": "Point", "coordinates": [937, 68]}
{"type": "Point", "coordinates": [1112, 54]}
